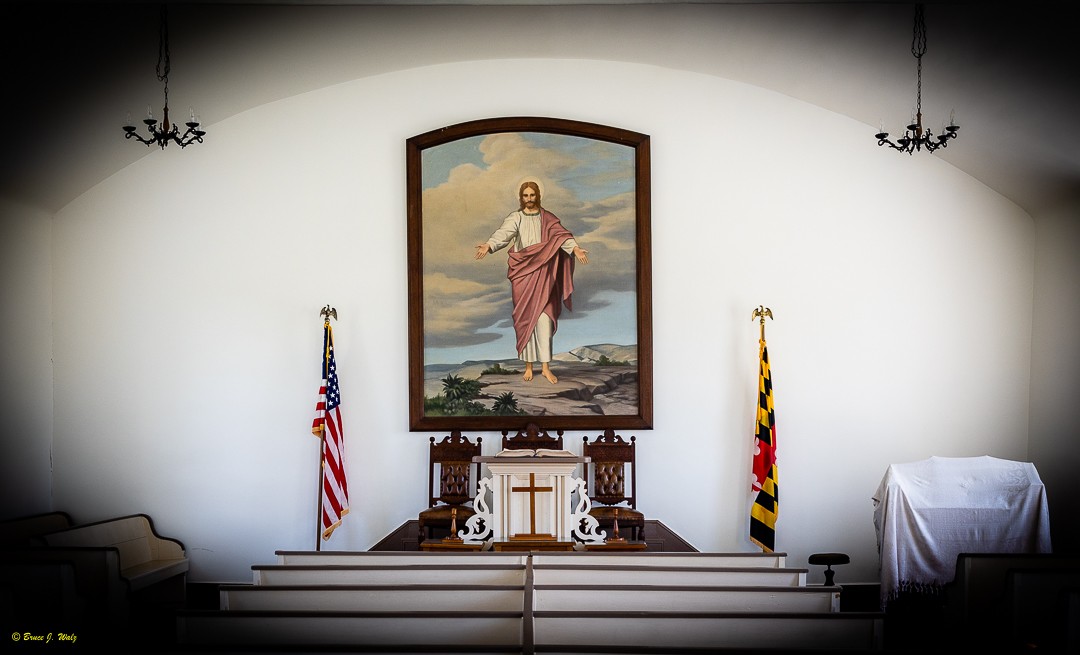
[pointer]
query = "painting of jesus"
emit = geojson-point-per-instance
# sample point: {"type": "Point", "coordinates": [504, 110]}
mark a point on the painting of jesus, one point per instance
{"type": "Point", "coordinates": [541, 274]}
{"type": "Point", "coordinates": [528, 276]}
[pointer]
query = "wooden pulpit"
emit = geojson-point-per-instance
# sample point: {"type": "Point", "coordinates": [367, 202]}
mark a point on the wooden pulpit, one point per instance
{"type": "Point", "coordinates": [532, 500]}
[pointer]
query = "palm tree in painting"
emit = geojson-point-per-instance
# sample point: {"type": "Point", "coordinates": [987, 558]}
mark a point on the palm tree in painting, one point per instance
{"type": "Point", "coordinates": [506, 405]}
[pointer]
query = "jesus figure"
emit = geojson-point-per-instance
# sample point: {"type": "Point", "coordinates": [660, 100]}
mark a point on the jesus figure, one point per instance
{"type": "Point", "coordinates": [540, 267]}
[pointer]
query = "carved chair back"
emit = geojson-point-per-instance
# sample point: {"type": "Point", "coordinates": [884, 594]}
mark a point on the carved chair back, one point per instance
{"type": "Point", "coordinates": [613, 462]}
{"type": "Point", "coordinates": [451, 462]}
{"type": "Point", "coordinates": [532, 437]}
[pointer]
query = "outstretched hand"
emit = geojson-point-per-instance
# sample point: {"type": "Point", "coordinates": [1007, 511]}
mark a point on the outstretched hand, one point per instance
{"type": "Point", "coordinates": [581, 254]}
{"type": "Point", "coordinates": [482, 250]}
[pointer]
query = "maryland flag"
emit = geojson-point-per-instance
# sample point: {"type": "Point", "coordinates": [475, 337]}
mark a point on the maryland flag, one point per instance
{"type": "Point", "coordinates": [765, 508]}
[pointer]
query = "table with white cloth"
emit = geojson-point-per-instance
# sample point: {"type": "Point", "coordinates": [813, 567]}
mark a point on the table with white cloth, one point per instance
{"type": "Point", "coordinates": [928, 512]}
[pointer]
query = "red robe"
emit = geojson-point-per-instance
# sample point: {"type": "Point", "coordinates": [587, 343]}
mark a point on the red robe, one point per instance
{"type": "Point", "coordinates": [541, 278]}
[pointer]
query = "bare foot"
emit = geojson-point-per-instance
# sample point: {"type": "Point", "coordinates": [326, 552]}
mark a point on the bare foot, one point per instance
{"type": "Point", "coordinates": [528, 372]}
{"type": "Point", "coordinates": [546, 372]}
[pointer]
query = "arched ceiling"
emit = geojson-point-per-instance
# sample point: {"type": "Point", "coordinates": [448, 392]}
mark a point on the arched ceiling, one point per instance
{"type": "Point", "coordinates": [73, 71]}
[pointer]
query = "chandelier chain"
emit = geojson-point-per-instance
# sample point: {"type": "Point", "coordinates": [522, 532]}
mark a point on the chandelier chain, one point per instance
{"type": "Point", "coordinates": [918, 38]}
{"type": "Point", "coordinates": [164, 64]}
{"type": "Point", "coordinates": [918, 49]}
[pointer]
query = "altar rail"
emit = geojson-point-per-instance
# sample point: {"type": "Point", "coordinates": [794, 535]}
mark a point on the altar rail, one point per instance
{"type": "Point", "coordinates": [667, 576]}
{"type": "Point", "coordinates": [581, 602]}
{"type": "Point", "coordinates": [658, 538]}
{"type": "Point", "coordinates": [695, 559]}
{"type": "Point", "coordinates": [392, 558]}
{"type": "Point", "coordinates": [359, 574]}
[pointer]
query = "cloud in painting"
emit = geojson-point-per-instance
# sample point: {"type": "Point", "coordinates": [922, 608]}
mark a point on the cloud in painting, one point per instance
{"type": "Point", "coordinates": [586, 183]}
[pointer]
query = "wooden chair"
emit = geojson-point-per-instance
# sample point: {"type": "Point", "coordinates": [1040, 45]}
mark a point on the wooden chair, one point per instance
{"type": "Point", "coordinates": [450, 460]}
{"type": "Point", "coordinates": [532, 437]}
{"type": "Point", "coordinates": [611, 488]}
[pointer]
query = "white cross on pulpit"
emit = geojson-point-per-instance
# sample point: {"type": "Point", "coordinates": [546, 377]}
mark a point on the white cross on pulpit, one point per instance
{"type": "Point", "coordinates": [532, 490]}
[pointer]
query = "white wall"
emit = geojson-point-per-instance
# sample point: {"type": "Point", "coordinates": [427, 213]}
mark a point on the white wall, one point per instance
{"type": "Point", "coordinates": [187, 289]}
{"type": "Point", "coordinates": [1055, 413]}
{"type": "Point", "coordinates": [26, 377]}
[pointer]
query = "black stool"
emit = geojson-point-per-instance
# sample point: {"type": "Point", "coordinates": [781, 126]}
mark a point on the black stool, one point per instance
{"type": "Point", "coordinates": [829, 560]}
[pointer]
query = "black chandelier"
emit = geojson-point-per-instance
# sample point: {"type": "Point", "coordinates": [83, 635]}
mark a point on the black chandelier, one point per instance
{"type": "Point", "coordinates": [162, 134]}
{"type": "Point", "coordinates": [916, 137]}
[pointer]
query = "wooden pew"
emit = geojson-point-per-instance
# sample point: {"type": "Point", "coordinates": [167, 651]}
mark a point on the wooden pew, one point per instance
{"type": "Point", "coordinates": [26, 530]}
{"type": "Point", "coordinates": [664, 632]}
{"type": "Point", "coordinates": [371, 598]}
{"type": "Point", "coordinates": [102, 595]}
{"type": "Point", "coordinates": [981, 603]}
{"type": "Point", "coordinates": [399, 632]}
{"type": "Point", "coordinates": [521, 602]}
{"type": "Point", "coordinates": [403, 602]}
{"type": "Point", "coordinates": [149, 564]}
{"type": "Point", "coordinates": [40, 596]}
{"type": "Point", "coordinates": [975, 600]}
{"type": "Point", "coordinates": [645, 598]}
{"type": "Point", "coordinates": [649, 603]}
{"type": "Point", "coordinates": [1037, 601]}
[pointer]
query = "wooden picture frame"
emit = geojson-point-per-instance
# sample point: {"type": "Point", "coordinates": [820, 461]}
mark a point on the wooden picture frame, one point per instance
{"type": "Point", "coordinates": [464, 184]}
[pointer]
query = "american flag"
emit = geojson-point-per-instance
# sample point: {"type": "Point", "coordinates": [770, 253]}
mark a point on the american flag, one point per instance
{"type": "Point", "coordinates": [334, 504]}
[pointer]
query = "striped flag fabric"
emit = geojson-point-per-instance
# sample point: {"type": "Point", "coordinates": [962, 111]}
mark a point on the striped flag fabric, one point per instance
{"type": "Point", "coordinates": [334, 502]}
{"type": "Point", "coordinates": [766, 507]}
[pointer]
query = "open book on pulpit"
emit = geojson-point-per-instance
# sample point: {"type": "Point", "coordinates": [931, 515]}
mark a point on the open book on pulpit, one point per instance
{"type": "Point", "coordinates": [538, 452]}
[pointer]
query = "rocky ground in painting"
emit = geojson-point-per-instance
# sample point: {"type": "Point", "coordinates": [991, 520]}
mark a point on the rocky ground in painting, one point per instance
{"type": "Point", "coordinates": [584, 386]}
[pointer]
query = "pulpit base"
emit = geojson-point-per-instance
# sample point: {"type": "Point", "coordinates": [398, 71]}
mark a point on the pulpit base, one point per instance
{"type": "Point", "coordinates": [439, 544]}
{"type": "Point", "coordinates": [531, 544]}
{"type": "Point", "coordinates": [618, 545]}
{"type": "Point", "coordinates": [532, 536]}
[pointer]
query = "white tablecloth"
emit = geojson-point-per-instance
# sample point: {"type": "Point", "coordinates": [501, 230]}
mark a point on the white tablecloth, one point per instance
{"type": "Point", "coordinates": [928, 512]}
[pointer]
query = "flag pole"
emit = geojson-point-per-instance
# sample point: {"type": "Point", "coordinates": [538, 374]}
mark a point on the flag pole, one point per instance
{"type": "Point", "coordinates": [326, 313]}
{"type": "Point", "coordinates": [319, 493]}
